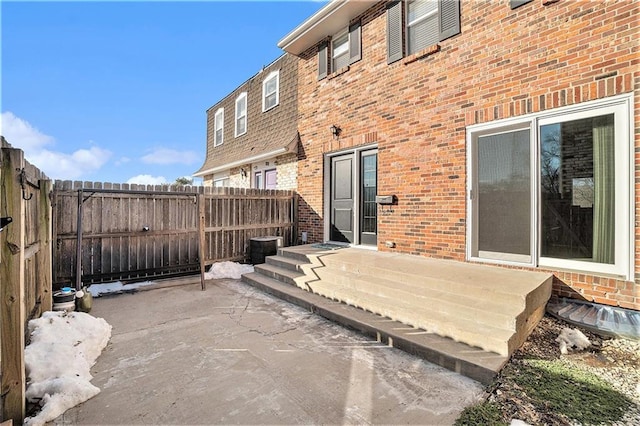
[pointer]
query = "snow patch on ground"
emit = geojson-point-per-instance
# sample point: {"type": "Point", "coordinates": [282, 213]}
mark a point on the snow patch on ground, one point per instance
{"type": "Point", "coordinates": [572, 338]}
{"type": "Point", "coordinates": [227, 270]}
{"type": "Point", "coordinates": [98, 290]}
{"type": "Point", "coordinates": [64, 346]}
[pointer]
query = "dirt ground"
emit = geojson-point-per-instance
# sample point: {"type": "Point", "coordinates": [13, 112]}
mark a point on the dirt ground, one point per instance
{"type": "Point", "coordinates": [616, 361]}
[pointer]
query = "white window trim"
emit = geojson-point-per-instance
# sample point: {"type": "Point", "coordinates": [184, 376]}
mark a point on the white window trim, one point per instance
{"type": "Point", "coordinates": [421, 18]}
{"type": "Point", "coordinates": [255, 174]}
{"type": "Point", "coordinates": [222, 177]}
{"type": "Point", "coordinates": [240, 97]}
{"type": "Point", "coordinates": [343, 32]}
{"type": "Point", "coordinates": [220, 113]}
{"type": "Point", "coordinates": [416, 21]}
{"type": "Point", "coordinates": [272, 75]}
{"type": "Point", "coordinates": [623, 107]}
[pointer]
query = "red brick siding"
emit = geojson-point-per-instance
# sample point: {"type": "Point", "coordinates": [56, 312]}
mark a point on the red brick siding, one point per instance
{"type": "Point", "coordinates": [505, 63]}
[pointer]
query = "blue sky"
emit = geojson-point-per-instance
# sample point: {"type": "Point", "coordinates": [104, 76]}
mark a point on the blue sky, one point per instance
{"type": "Point", "coordinates": [118, 91]}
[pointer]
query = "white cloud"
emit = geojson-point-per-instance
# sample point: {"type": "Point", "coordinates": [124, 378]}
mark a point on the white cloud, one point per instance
{"type": "Point", "coordinates": [20, 134]}
{"type": "Point", "coordinates": [170, 156]}
{"type": "Point", "coordinates": [148, 180]}
{"type": "Point", "coordinates": [57, 165]}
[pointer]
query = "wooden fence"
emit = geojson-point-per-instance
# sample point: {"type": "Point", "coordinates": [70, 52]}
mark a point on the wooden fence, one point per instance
{"type": "Point", "coordinates": [230, 217]}
{"type": "Point", "coordinates": [25, 269]}
{"type": "Point", "coordinates": [134, 232]}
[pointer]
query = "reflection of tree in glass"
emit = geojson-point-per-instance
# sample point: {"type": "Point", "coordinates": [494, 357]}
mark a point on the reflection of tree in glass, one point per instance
{"type": "Point", "coordinates": [550, 159]}
{"type": "Point", "coordinates": [583, 192]}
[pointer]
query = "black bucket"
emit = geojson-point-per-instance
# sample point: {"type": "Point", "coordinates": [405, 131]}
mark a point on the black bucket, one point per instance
{"type": "Point", "coordinates": [64, 299]}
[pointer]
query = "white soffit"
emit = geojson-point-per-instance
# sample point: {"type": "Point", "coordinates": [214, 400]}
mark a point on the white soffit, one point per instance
{"type": "Point", "coordinates": [325, 22]}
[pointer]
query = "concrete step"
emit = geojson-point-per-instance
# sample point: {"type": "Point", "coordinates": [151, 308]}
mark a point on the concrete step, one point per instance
{"type": "Point", "coordinates": [440, 295]}
{"type": "Point", "coordinates": [285, 275]}
{"type": "Point", "coordinates": [286, 262]}
{"type": "Point", "coordinates": [448, 324]}
{"type": "Point", "coordinates": [485, 311]}
{"type": "Point", "coordinates": [300, 253]}
{"type": "Point", "coordinates": [456, 277]}
{"type": "Point", "coordinates": [461, 358]}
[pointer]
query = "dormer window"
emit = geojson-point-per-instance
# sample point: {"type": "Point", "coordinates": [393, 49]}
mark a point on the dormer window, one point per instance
{"type": "Point", "coordinates": [270, 89]}
{"type": "Point", "coordinates": [345, 49]}
{"type": "Point", "coordinates": [241, 114]}
{"type": "Point", "coordinates": [218, 125]}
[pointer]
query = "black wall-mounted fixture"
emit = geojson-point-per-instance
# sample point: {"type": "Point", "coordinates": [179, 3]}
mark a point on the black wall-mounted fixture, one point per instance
{"type": "Point", "coordinates": [243, 172]}
{"type": "Point", "coordinates": [335, 131]}
{"type": "Point", "coordinates": [4, 221]}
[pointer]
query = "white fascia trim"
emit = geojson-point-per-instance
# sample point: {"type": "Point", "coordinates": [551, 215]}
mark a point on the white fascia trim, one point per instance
{"type": "Point", "coordinates": [241, 162]}
{"type": "Point", "coordinates": [327, 21]}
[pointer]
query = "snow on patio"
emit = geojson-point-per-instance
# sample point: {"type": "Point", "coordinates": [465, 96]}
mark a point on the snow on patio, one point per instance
{"type": "Point", "coordinates": [218, 270]}
{"type": "Point", "coordinates": [64, 346]}
{"type": "Point", "coordinates": [227, 270]}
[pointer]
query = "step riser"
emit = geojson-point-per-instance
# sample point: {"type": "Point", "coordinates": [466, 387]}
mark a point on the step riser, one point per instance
{"type": "Point", "coordinates": [275, 275]}
{"type": "Point", "coordinates": [486, 342]}
{"type": "Point", "coordinates": [498, 293]}
{"type": "Point", "coordinates": [489, 307]}
{"type": "Point", "coordinates": [419, 301]}
{"type": "Point", "coordinates": [284, 263]}
{"type": "Point", "coordinates": [463, 359]}
{"type": "Point", "coordinates": [293, 255]}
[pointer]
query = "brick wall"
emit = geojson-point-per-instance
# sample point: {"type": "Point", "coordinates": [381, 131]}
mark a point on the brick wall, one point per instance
{"type": "Point", "coordinates": [505, 63]}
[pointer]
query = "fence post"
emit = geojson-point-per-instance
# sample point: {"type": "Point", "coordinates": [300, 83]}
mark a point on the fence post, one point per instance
{"type": "Point", "coordinates": [78, 284]}
{"type": "Point", "coordinates": [12, 295]}
{"type": "Point", "coordinates": [201, 239]}
{"type": "Point", "coordinates": [45, 273]}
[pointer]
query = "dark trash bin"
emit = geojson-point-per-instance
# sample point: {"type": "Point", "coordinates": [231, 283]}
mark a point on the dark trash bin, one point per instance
{"type": "Point", "coordinates": [262, 247]}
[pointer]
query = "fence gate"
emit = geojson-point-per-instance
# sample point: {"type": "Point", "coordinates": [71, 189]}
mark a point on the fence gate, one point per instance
{"type": "Point", "coordinates": [25, 269]}
{"type": "Point", "coordinates": [109, 232]}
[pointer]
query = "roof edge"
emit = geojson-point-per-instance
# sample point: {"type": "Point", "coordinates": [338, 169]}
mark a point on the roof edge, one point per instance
{"type": "Point", "coordinates": [201, 173]}
{"type": "Point", "coordinates": [324, 22]}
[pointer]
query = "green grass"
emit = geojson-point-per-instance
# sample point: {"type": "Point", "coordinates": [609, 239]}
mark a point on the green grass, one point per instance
{"type": "Point", "coordinates": [558, 393]}
{"type": "Point", "coordinates": [485, 413]}
{"type": "Point", "coordinates": [581, 396]}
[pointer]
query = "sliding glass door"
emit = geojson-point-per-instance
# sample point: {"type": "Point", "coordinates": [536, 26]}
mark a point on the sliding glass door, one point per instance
{"type": "Point", "coordinates": [553, 189]}
{"type": "Point", "coordinates": [503, 197]}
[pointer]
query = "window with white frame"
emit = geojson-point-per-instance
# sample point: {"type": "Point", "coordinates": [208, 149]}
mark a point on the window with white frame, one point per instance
{"type": "Point", "coordinates": [422, 25]}
{"type": "Point", "coordinates": [270, 91]}
{"type": "Point", "coordinates": [218, 127]}
{"type": "Point", "coordinates": [553, 189]}
{"type": "Point", "coordinates": [340, 50]}
{"type": "Point", "coordinates": [221, 183]}
{"type": "Point", "coordinates": [221, 180]}
{"type": "Point", "coordinates": [258, 182]}
{"type": "Point", "coordinates": [344, 49]}
{"type": "Point", "coordinates": [241, 114]}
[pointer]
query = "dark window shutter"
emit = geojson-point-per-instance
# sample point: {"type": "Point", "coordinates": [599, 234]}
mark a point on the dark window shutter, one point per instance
{"type": "Point", "coordinates": [323, 62]}
{"type": "Point", "coordinates": [449, 18]}
{"type": "Point", "coordinates": [355, 45]}
{"type": "Point", "coordinates": [394, 31]}
{"type": "Point", "coordinates": [518, 3]}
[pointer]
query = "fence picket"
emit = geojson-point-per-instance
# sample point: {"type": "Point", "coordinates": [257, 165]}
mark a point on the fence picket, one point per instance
{"type": "Point", "coordinates": [115, 246]}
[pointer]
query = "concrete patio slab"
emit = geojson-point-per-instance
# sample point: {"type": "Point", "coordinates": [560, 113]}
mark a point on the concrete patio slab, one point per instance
{"type": "Point", "coordinates": [234, 355]}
